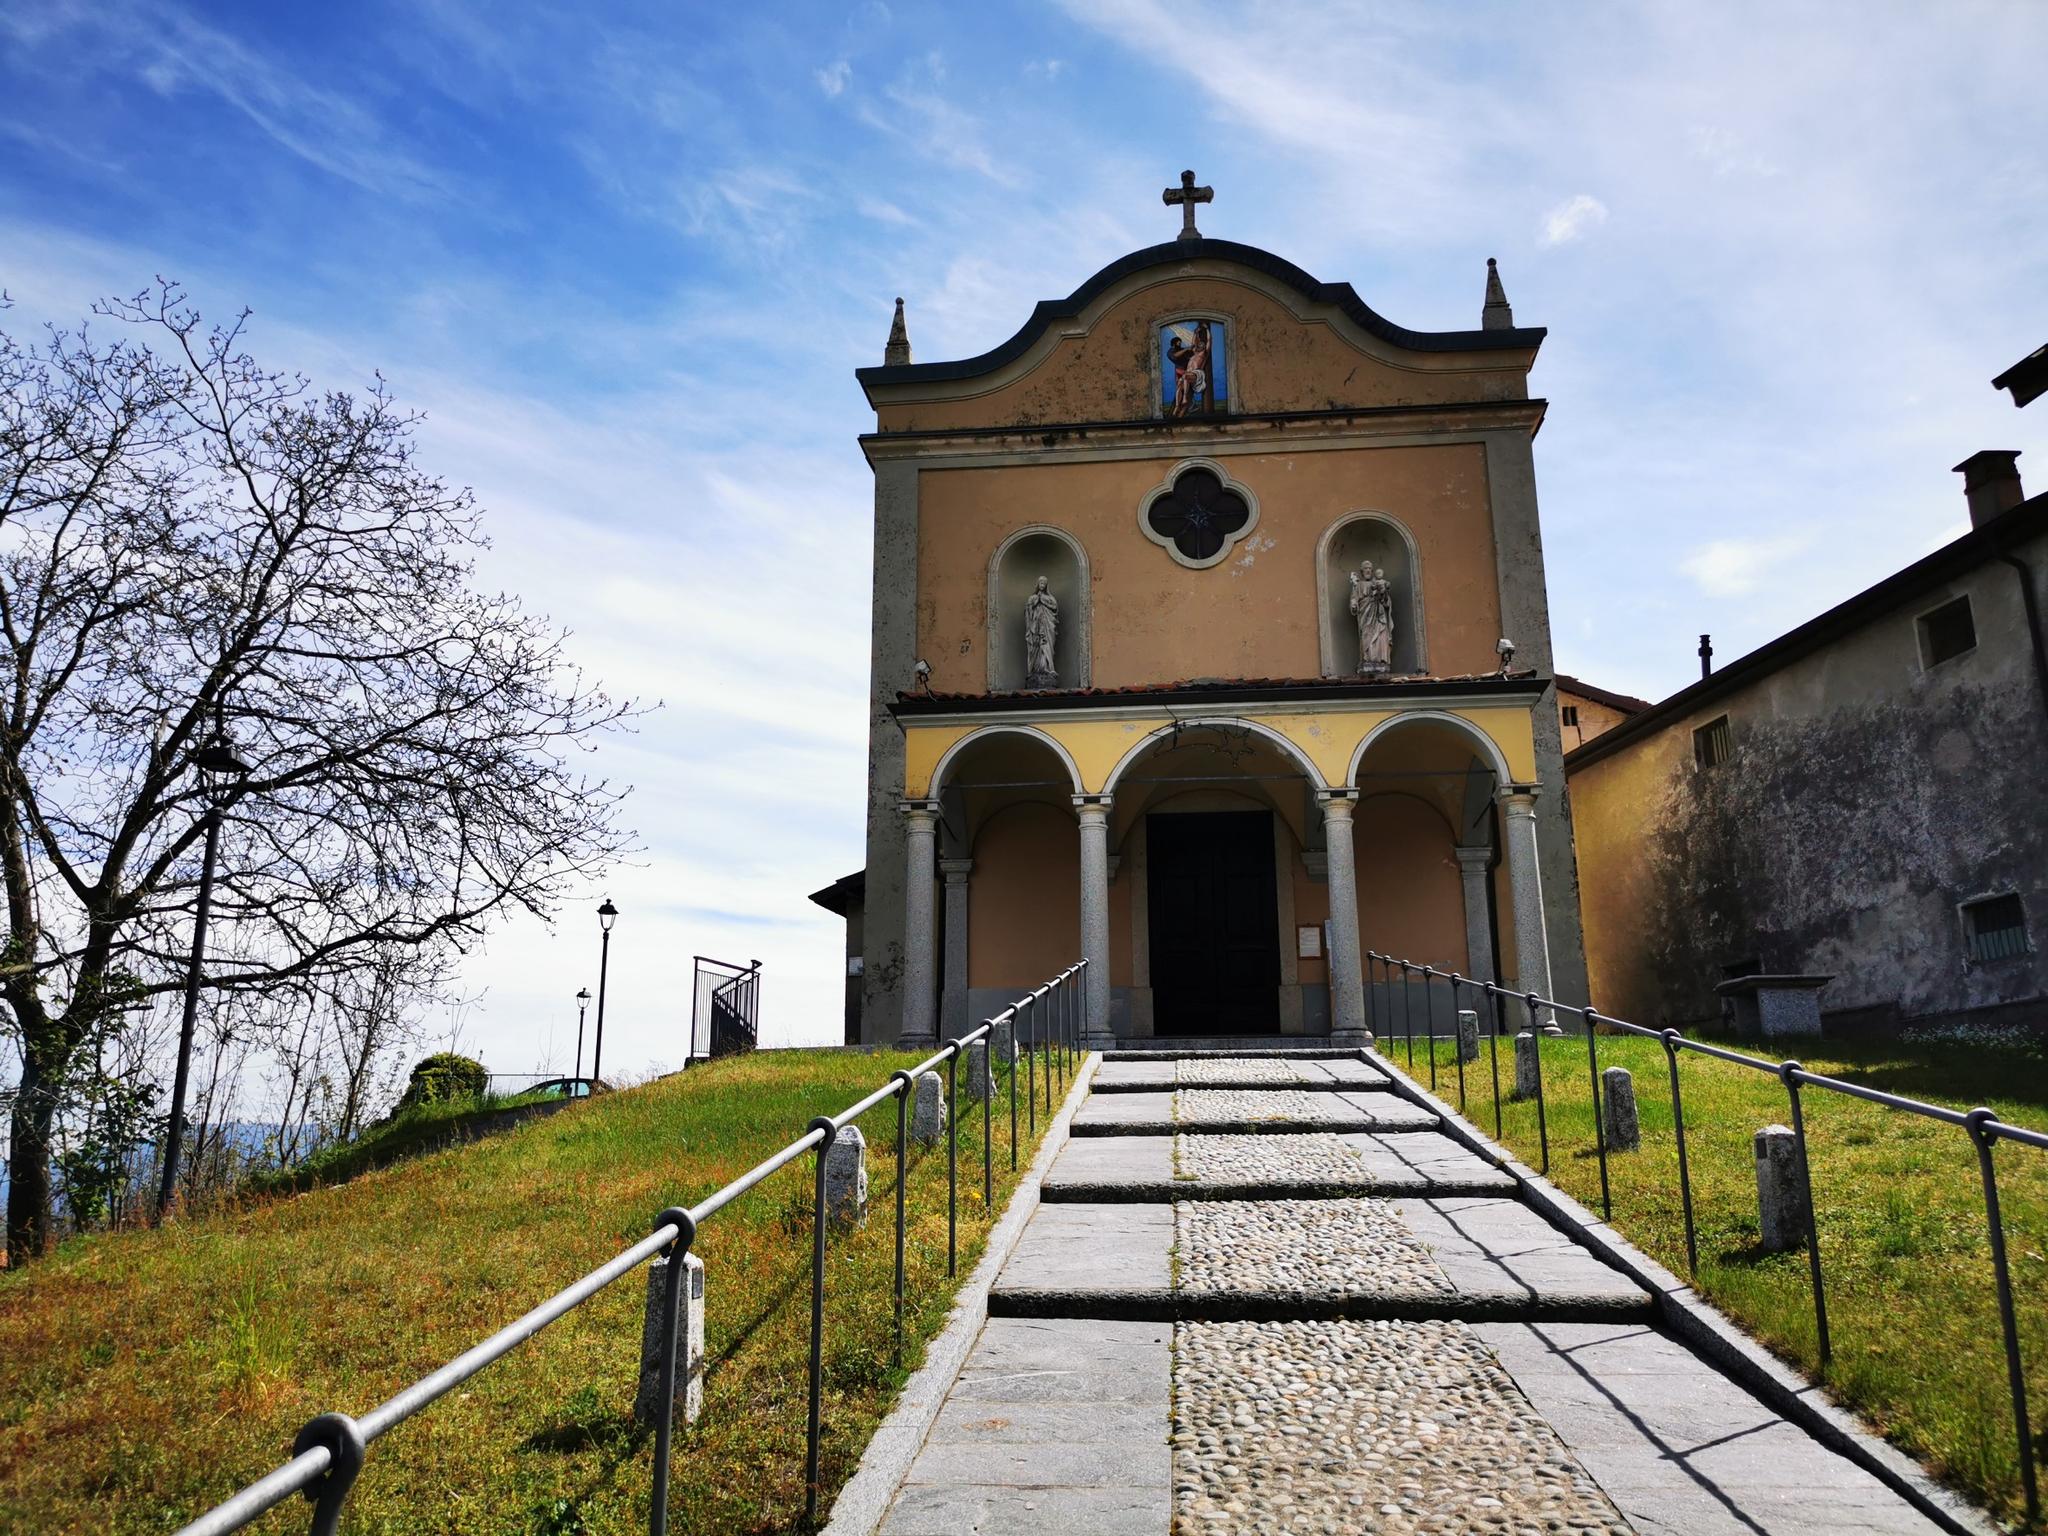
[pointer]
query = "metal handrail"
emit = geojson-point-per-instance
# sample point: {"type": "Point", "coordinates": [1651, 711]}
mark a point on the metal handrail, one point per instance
{"type": "Point", "coordinates": [1982, 1125]}
{"type": "Point", "coordinates": [330, 1450]}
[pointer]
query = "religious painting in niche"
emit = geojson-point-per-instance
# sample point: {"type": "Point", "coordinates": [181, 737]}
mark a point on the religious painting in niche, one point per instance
{"type": "Point", "coordinates": [1199, 515]}
{"type": "Point", "coordinates": [1193, 368]}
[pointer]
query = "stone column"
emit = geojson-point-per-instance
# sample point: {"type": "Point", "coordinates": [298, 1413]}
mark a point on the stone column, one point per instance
{"type": "Point", "coordinates": [1094, 812]}
{"type": "Point", "coordinates": [1347, 974]}
{"type": "Point", "coordinates": [920, 823]}
{"type": "Point", "coordinates": [1525, 876]}
{"type": "Point", "coordinates": [953, 979]}
{"type": "Point", "coordinates": [1475, 867]}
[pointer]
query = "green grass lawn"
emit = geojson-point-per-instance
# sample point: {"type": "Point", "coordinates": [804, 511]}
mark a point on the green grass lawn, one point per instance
{"type": "Point", "coordinates": [1912, 1313]}
{"type": "Point", "coordinates": [148, 1375]}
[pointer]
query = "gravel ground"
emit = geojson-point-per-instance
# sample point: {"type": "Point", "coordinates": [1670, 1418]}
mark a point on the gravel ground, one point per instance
{"type": "Point", "coordinates": [1240, 1106]}
{"type": "Point", "coordinates": [1301, 1248]}
{"type": "Point", "coordinates": [1345, 1427]}
{"type": "Point", "coordinates": [1312, 1158]}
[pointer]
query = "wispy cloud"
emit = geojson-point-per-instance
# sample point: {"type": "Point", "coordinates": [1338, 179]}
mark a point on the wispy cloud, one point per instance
{"type": "Point", "coordinates": [832, 79]}
{"type": "Point", "coordinates": [1571, 219]}
{"type": "Point", "coordinates": [1738, 567]}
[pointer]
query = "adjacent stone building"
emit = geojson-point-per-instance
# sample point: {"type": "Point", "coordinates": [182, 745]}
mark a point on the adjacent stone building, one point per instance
{"type": "Point", "coordinates": [1210, 642]}
{"type": "Point", "coordinates": [1866, 798]}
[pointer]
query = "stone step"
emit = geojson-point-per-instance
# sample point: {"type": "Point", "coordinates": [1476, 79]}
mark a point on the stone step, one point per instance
{"type": "Point", "coordinates": [1248, 1111]}
{"type": "Point", "coordinates": [1224, 1050]}
{"type": "Point", "coordinates": [1307, 1073]}
{"type": "Point", "coordinates": [1121, 1170]}
{"type": "Point", "coordinates": [1472, 1258]}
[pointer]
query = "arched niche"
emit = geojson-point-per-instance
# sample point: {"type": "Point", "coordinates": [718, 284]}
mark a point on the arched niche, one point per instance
{"type": "Point", "coordinates": [1387, 543]}
{"type": "Point", "coordinates": [1013, 572]}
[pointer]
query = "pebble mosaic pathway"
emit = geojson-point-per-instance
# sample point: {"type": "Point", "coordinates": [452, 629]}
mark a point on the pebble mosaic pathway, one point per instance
{"type": "Point", "coordinates": [1196, 1074]}
{"type": "Point", "coordinates": [1313, 1159]}
{"type": "Point", "coordinates": [1386, 1427]}
{"type": "Point", "coordinates": [1301, 1248]}
{"type": "Point", "coordinates": [1278, 1106]}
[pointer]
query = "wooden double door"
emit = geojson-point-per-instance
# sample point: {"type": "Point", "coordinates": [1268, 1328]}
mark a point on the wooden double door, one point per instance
{"type": "Point", "coordinates": [1213, 923]}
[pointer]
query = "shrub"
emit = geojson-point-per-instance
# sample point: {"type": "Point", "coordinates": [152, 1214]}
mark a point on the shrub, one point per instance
{"type": "Point", "coordinates": [445, 1077]}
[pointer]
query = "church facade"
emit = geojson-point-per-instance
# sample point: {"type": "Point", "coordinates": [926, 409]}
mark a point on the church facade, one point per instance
{"type": "Point", "coordinates": [1210, 642]}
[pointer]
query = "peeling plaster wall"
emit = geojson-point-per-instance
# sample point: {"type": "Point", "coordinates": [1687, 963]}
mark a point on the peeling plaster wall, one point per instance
{"type": "Point", "coordinates": [1866, 798]}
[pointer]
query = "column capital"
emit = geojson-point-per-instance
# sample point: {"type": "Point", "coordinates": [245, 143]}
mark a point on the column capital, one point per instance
{"type": "Point", "coordinates": [1092, 807]}
{"type": "Point", "coordinates": [1474, 858]}
{"type": "Point", "coordinates": [916, 810]}
{"type": "Point", "coordinates": [956, 870]}
{"type": "Point", "coordinates": [1518, 799]}
{"type": "Point", "coordinates": [1337, 802]}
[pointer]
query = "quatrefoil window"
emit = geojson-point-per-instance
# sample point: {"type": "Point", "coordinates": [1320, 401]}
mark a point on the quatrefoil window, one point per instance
{"type": "Point", "coordinates": [1198, 514]}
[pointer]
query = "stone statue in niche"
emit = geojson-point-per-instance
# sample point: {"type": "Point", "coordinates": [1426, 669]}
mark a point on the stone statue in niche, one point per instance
{"type": "Point", "coordinates": [1041, 636]}
{"type": "Point", "coordinates": [1372, 607]}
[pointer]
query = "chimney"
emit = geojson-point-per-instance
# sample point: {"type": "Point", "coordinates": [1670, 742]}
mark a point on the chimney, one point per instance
{"type": "Point", "coordinates": [1706, 655]}
{"type": "Point", "coordinates": [1991, 483]}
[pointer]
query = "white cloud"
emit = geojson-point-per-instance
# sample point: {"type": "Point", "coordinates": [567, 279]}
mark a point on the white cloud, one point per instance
{"type": "Point", "coordinates": [1571, 219]}
{"type": "Point", "coordinates": [1738, 567]}
{"type": "Point", "coordinates": [833, 78]}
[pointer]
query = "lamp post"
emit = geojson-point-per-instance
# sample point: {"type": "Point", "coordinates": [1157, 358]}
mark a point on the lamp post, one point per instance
{"type": "Point", "coordinates": [582, 1003]}
{"type": "Point", "coordinates": [219, 769]}
{"type": "Point", "coordinates": [606, 916]}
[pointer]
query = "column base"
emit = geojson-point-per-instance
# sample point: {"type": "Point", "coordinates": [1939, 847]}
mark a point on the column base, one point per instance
{"type": "Point", "coordinates": [1352, 1039]}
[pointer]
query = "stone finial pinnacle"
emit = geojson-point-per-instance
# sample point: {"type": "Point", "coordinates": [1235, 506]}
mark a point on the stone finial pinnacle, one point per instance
{"type": "Point", "coordinates": [1496, 316]}
{"type": "Point", "coordinates": [897, 353]}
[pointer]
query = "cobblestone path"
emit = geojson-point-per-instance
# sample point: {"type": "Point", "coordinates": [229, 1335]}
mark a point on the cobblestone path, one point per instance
{"type": "Point", "coordinates": [1268, 1293]}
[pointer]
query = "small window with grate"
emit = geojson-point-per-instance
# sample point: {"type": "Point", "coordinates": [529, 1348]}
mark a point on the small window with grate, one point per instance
{"type": "Point", "coordinates": [1712, 745]}
{"type": "Point", "coordinates": [1947, 632]}
{"type": "Point", "coordinates": [1571, 715]}
{"type": "Point", "coordinates": [1996, 927]}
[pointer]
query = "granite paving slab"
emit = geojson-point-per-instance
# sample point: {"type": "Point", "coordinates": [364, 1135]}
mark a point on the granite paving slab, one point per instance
{"type": "Point", "coordinates": [1680, 1448]}
{"type": "Point", "coordinates": [1307, 1165]}
{"type": "Point", "coordinates": [1391, 1427]}
{"type": "Point", "coordinates": [1053, 1426]}
{"type": "Point", "coordinates": [1247, 1111]}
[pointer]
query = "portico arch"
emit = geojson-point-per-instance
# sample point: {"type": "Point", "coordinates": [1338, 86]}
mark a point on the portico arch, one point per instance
{"type": "Point", "coordinates": [977, 739]}
{"type": "Point", "coordinates": [1483, 746]}
{"type": "Point", "coordinates": [1178, 728]}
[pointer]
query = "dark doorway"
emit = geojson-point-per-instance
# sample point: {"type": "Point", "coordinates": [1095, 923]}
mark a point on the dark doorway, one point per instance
{"type": "Point", "coordinates": [1214, 927]}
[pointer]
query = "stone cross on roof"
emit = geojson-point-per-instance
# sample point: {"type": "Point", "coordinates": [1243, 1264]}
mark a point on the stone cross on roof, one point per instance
{"type": "Point", "coordinates": [1187, 194]}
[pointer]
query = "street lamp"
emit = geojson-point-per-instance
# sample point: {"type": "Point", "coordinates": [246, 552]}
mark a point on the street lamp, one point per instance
{"type": "Point", "coordinates": [220, 772]}
{"type": "Point", "coordinates": [606, 916]}
{"type": "Point", "coordinates": [582, 1002]}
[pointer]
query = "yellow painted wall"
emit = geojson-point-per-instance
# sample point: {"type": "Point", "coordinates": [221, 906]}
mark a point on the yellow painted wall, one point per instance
{"type": "Point", "coordinates": [1254, 615]}
{"type": "Point", "coordinates": [1023, 897]}
{"type": "Point", "coordinates": [1328, 739]}
{"type": "Point", "coordinates": [1610, 800]}
{"type": "Point", "coordinates": [1276, 363]}
{"type": "Point", "coordinates": [1410, 901]}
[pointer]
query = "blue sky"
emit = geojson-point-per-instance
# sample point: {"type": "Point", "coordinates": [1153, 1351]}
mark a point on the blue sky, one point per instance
{"type": "Point", "coordinates": [627, 257]}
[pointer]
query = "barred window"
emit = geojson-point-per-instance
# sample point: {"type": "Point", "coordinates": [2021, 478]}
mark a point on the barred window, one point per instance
{"type": "Point", "coordinates": [1712, 745]}
{"type": "Point", "coordinates": [1996, 927]}
{"type": "Point", "coordinates": [1571, 714]}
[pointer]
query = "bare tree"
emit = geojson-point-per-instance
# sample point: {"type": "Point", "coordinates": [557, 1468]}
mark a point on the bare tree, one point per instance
{"type": "Point", "coordinates": [186, 540]}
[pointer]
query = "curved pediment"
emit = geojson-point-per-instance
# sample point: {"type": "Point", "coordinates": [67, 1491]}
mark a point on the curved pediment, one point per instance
{"type": "Point", "coordinates": [1282, 343]}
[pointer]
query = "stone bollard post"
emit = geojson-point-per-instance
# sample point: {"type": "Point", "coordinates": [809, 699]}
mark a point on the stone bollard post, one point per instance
{"type": "Point", "coordinates": [689, 1344]}
{"type": "Point", "coordinates": [1003, 1041]}
{"type": "Point", "coordinates": [846, 1179]}
{"type": "Point", "coordinates": [1781, 1207]}
{"type": "Point", "coordinates": [1526, 1068]}
{"type": "Point", "coordinates": [1624, 1129]}
{"type": "Point", "coordinates": [928, 1110]}
{"type": "Point", "coordinates": [980, 1084]}
{"type": "Point", "coordinates": [1468, 1035]}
